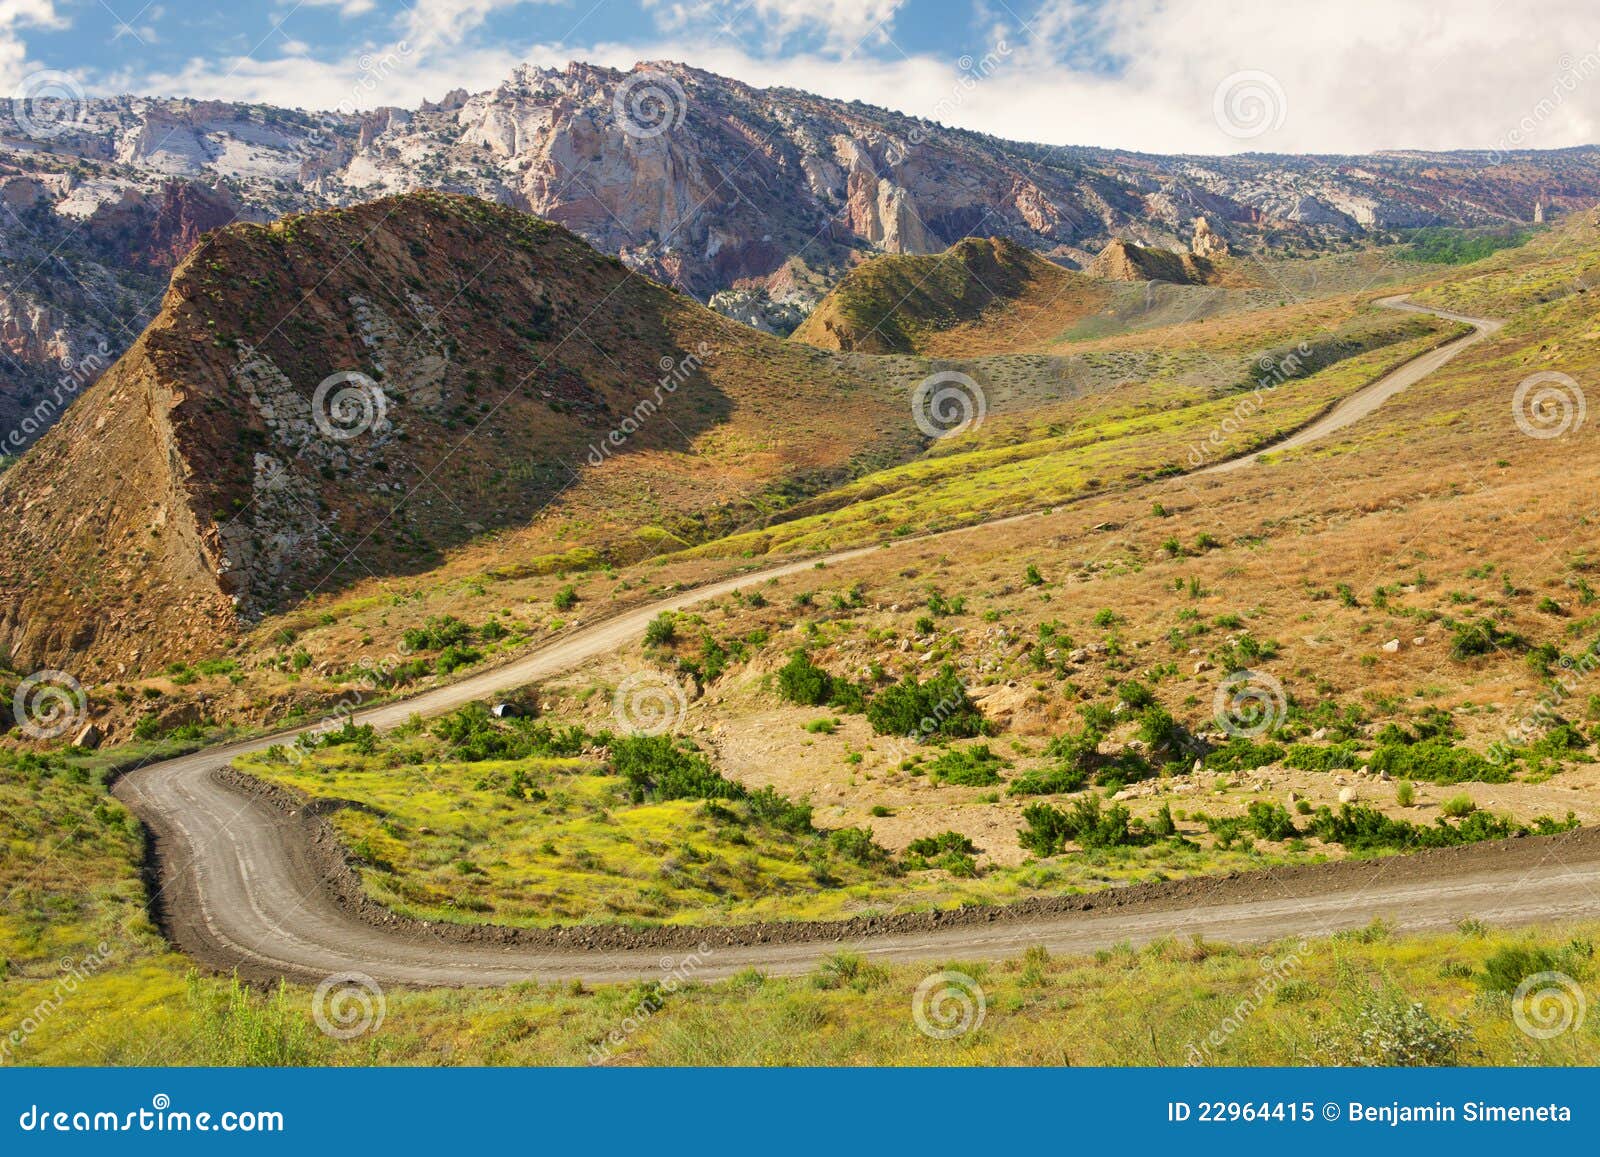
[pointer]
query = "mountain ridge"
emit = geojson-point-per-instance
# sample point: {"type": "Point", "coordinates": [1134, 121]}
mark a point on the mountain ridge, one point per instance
{"type": "Point", "coordinates": [772, 191]}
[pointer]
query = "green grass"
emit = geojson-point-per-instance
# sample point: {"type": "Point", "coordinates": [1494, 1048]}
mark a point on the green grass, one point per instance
{"type": "Point", "coordinates": [992, 472]}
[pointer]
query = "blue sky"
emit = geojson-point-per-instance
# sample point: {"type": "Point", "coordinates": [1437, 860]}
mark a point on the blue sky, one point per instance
{"type": "Point", "coordinates": [1159, 75]}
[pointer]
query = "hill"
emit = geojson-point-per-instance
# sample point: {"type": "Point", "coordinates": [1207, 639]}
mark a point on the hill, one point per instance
{"type": "Point", "coordinates": [352, 393]}
{"type": "Point", "coordinates": [893, 304]}
{"type": "Point", "coordinates": [1125, 261]}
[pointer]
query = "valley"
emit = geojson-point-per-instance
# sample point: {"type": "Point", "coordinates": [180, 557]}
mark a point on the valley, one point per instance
{"type": "Point", "coordinates": [1085, 628]}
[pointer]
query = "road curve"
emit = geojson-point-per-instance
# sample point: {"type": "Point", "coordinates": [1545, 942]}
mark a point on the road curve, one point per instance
{"type": "Point", "coordinates": [1366, 400]}
{"type": "Point", "coordinates": [241, 887]}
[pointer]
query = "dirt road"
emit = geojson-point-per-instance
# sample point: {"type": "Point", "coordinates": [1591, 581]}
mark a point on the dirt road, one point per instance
{"type": "Point", "coordinates": [246, 883]}
{"type": "Point", "coordinates": [1366, 400]}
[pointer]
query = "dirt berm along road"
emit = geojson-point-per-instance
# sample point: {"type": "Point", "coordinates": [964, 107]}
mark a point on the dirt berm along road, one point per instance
{"type": "Point", "coordinates": [251, 879]}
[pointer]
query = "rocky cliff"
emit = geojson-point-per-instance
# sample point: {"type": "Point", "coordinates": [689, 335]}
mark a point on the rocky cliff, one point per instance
{"type": "Point", "coordinates": [694, 179]}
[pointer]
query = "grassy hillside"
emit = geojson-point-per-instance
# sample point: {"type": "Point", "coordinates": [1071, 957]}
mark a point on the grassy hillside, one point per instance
{"type": "Point", "coordinates": [897, 303]}
{"type": "Point", "coordinates": [87, 982]}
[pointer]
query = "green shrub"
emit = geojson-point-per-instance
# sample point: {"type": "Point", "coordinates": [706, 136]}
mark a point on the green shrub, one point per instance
{"type": "Point", "coordinates": [1136, 695]}
{"type": "Point", "coordinates": [803, 682]}
{"type": "Point", "coordinates": [1437, 761]}
{"type": "Point", "coordinates": [1367, 829]}
{"type": "Point", "coordinates": [950, 851]}
{"type": "Point", "coordinates": [453, 658]}
{"type": "Point", "coordinates": [1270, 821]}
{"type": "Point", "coordinates": [1243, 754]}
{"type": "Point", "coordinates": [1513, 964]}
{"type": "Point", "coordinates": [662, 630]}
{"type": "Point", "coordinates": [1482, 636]}
{"type": "Point", "coordinates": [662, 767]}
{"type": "Point", "coordinates": [968, 767]}
{"type": "Point", "coordinates": [939, 707]}
{"type": "Point", "coordinates": [1312, 757]}
{"type": "Point", "coordinates": [768, 807]}
{"type": "Point", "coordinates": [474, 735]}
{"type": "Point", "coordinates": [1064, 777]}
{"type": "Point", "coordinates": [438, 633]}
{"type": "Point", "coordinates": [1087, 823]}
{"type": "Point", "coordinates": [855, 845]}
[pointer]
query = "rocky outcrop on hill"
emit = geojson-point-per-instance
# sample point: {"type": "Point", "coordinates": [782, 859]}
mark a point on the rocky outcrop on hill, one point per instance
{"type": "Point", "coordinates": [352, 393]}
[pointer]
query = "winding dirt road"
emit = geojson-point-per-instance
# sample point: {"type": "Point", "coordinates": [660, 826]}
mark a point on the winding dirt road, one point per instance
{"type": "Point", "coordinates": [247, 883]}
{"type": "Point", "coordinates": [1366, 400]}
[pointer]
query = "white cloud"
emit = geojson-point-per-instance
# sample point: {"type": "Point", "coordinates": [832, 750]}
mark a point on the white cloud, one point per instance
{"type": "Point", "coordinates": [347, 8]}
{"type": "Point", "coordinates": [842, 26]}
{"type": "Point", "coordinates": [15, 15]}
{"type": "Point", "coordinates": [434, 23]}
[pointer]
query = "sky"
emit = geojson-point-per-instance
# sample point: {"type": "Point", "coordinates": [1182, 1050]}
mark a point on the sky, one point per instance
{"type": "Point", "coordinates": [1190, 76]}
